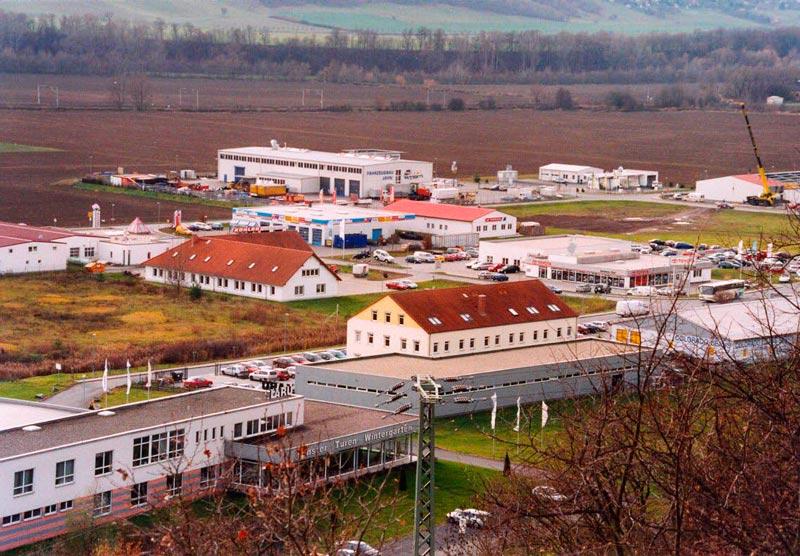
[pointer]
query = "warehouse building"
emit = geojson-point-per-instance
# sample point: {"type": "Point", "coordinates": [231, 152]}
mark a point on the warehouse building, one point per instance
{"type": "Point", "coordinates": [367, 173]}
{"type": "Point", "coordinates": [119, 462]}
{"type": "Point", "coordinates": [736, 189]}
{"type": "Point", "coordinates": [531, 373]}
{"type": "Point", "coordinates": [276, 266]}
{"type": "Point", "coordinates": [471, 319]}
{"type": "Point", "coordinates": [41, 248]}
{"type": "Point", "coordinates": [594, 260]}
{"type": "Point", "coordinates": [440, 219]}
{"type": "Point", "coordinates": [568, 173]}
{"type": "Point", "coordinates": [321, 223]}
{"type": "Point", "coordinates": [624, 179]}
{"type": "Point", "coordinates": [744, 331]}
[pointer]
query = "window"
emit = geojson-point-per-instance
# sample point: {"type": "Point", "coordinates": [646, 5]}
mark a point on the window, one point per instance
{"type": "Point", "coordinates": [11, 519]}
{"type": "Point", "coordinates": [569, 331]}
{"type": "Point", "coordinates": [416, 345]}
{"type": "Point", "coordinates": [554, 308]}
{"type": "Point", "coordinates": [386, 341]}
{"type": "Point", "coordinates": [435, 347]}
{"type": "Point", "coordinates": [434, 320]}
{"type": "Point", "coordinates": [32, 514]}
{"type": "Point", "coordinates": [387, 317]}
{"type": "Point", "coordinates": [237, 430]}
{"type": "Point", "coordinates": [374, 315]}
{"type": "Point", "coordinates": [358, 335]}
{"type": "Point", "coordinates": [466, 317]}
{"type": "Point", "coordinates": [485, 341]}
{"type": "Point", "coordinates": [471, 343]}
{"type": "Point", "coordinates": [320, 288]}
{"type": "Point", "coordinates": [461, 344]}
{"type": "Point", "coordinates": [401, 318]}
{"type": "Point", "coordinates": [23, 482]}
{"type": "Point", "coordinates": [370, 337]}
{"type": "Point", "coordinates": [139, 494]}
{"type": "Point", "coordinates": [102, 462]}
{"type": "Point", "coordinates": [102, 503]}
{"type": "Point", "coordinates": [532, 310]}
{"type": "Point", "coordinates": [497, 340]}
{"type": "Point", "coordinates": [65, 472]}
{"type": "Point", "coordinates": [511, 338]}
{"type": "Point", "coordinates": [174, 484]}
{"type": "Point", "coordinates": [447, 346]}
{"type": "Point", "coordinates": [88, 251]}
{"type": "Point", "coordinates": [544, 334]}
{"type": "Point", "coordinates": [207, 476]}
{"type": "Point", "coordinates": [65, 506]}
{"type": "Point", "coordinates": [535, 335]}
{"type": "Point", "coordinates": [521, 336]}
{"type": "Point", "coordinates": [298, 290]}
{"type": "Point", "coordinates": [158, 447]}
{"type": "Point", "coordinates": [403, 343]}
{"type": "Point", "coordinates": [50, 509]}
{"type": "Point", "coordinates": [74, 252]}
{"type": "Point", "coordinates": [513, 311]}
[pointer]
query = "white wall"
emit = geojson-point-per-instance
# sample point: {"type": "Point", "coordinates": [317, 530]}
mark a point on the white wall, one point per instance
{"type": "Point", "coordinates": [131, 253]}
{"type": "Point", "coordinates": [727, 188]}
{"type": "Point", "coordinates": [33, 256]}
{"type": "Point", "coordinates": [496, 224]}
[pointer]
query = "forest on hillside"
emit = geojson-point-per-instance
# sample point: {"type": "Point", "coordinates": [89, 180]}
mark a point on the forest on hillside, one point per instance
{"type": "Point", "coordinates": [752, 63]}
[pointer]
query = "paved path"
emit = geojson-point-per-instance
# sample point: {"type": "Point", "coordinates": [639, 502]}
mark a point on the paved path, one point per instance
{"type": "Point", "coordinates": [468, 459]}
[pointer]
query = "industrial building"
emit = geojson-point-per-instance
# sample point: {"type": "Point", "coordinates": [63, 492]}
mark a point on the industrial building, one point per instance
{"type": "Point", "coordinates": [321, 223]}
{"type": "Point", "coordinates": [116, 463]}
{"type": "Point", "coordinates": [530, 373]}
{"type": "Point", "coordinates": [742, 331]}
{"type": "Point", "coordinates": [41, 248]}
{"type": "Point", "coordinates": [736, 189]}
{"type": "Point", "coordinates": [595, 260]}
{"type": "Point", "coordinates": [440, 219]}
{"type": "Point", "coordinates": [367, 173]}
{"type": "Point", "coordinates": [129, 246]}
{"type": "Point", "coordinates": [277, 266]}
{"type": "Point", "coordinates": [470, 319]}
{"type": "Point", "coordinates": [568, 173]}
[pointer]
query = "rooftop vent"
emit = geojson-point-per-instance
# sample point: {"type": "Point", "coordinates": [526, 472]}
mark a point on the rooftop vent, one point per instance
{"type": "Point", "coordinates": [513, 311]}
{"type": "Point", "coordinates": [32, 428]}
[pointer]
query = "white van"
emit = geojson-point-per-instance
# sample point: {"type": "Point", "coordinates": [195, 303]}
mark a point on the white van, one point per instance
{"type": "Point", "coordinates": [634, 308]}
{"type": "Point", "coordinates": [642, 291]}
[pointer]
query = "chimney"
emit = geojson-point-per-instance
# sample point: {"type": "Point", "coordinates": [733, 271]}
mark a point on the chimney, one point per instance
{"type": "Point", "coordinates": [482, 304]}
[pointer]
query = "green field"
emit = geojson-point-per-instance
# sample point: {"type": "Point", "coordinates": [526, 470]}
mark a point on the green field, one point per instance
{"type": "Point", "coordinates": [724, 227]}
{"type": "Point", "coordinates": [117, 395]}
{"type": "Point", "coordinates": [472, 434]}
{"type": "Point", "coordinates": [29, 388]}
{"type": "Point", "coordinates": [157, 196]}
{"type": "Point", "coordinates": [17, 148]}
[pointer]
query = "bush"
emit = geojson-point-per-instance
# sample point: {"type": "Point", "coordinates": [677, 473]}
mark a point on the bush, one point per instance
{"type": "Point", "coordinates": [673, 96]}
{"type": "Point", "coordinates": [563, 100]}
{"type": "Point", "coordinates": [487, 104]}
{"type": "Point", "coordinates": [456, 104]}
{"type": "Point", "coordinates": [195, 292]}
{"type": "Point", "coordinates": [620, 100]}
{"type": "Point", "coordinates": [476, 178]}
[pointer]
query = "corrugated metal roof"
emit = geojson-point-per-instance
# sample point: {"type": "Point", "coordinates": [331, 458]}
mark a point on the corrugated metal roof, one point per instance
{"type": "Point", "coordinates": [439, 210]}
{"type": "Point", "coordinates": [452, 309]}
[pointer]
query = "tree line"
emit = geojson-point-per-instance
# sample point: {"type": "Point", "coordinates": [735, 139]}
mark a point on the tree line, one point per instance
{"type": "Point", "coordinates": [756, 62]}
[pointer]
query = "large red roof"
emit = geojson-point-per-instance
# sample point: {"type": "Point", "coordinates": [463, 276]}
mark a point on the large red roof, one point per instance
{"type": "Point", "coordinates": [756, 179]}
{"type": "Point", "coordinates": [439, 210]}
{"type": "Point", "coordinates": [33, 233]}
{"type": "Point", "coordinates": [452, 309]}
{"type": "Point", "coordinates": [269, 258]}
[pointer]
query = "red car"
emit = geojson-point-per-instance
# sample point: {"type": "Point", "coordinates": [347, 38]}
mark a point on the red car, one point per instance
{"type": "Point", "coordinates": [401, 285]}
{"type": "Point", "coordinates": [196, 383]}
{"type": "Point", "coordinates": [496, 267]}
{"type": "Point", "coordinates": [285, 374]}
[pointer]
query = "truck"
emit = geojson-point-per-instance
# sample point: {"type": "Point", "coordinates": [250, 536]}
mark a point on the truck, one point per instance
{"type": "Point", "coordinates": [633, 308]}
{"type": "Point", "coordinates": [695, 197]}
{"type": "Point", "coordinates": [444, 193]}
{"type": "Point", "coordinates": [419, 193]}
{"type": "Point", "coordinates": [267, 190]}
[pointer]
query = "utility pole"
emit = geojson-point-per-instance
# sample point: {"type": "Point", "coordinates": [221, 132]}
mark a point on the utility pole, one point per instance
{"type": "Point", "coordinates": [424, 523]}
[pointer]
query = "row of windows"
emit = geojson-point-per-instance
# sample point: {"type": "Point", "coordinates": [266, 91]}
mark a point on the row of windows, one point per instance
{"type": "Point", "coordinates": [485, 227]}
{"type": "Point", "coordinates": [292, 163]}
{"type": "Point", "coordinates": [75, 252]}
{"type": "Point", "coordinates": [238, 285]}
{"type": "Point", "coordinates": [263, 425]}
{"type": "Point", "coordinates": [310, 272]}
{"type": "Point", "coordinates": [387, 317]}
{"type": "Point", "coordinates": [35, 513]}
{"type": "Point", "coordinates": [158, 447]}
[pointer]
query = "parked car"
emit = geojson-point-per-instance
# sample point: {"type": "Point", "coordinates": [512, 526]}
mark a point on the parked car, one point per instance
{"type": "Point", "coordinates": [265, 375]}
{"type": "Point", "coordinates": [683, 245]}
{"type": "Point", "coordinates": [283, 362]}
{"type": "Point", "coordinates": [478, 265]}
{"type": "Point", "coordinates": [361, 255]}
{"type": "Point", "coordinates": [285, 374]}
{"type": "Point", "coordinates": [197, 382]}
{"type": "Point", "coordinates": [785, 278]}
{"type": "Point", "coordinates": [409, 235]}
{"type": "Point", "coordinates": [401, 285]}
{"type": "Point", "coordinates": [338, 353]}
{"type": "Point", "coordinates": [325, 355]}
{"type": "Point", "coordinates": [472, 252]}
{"type": "Point", "coordinates": [311, 357]}
{"type": "Point", "coordinates": [256, 365]}
{"type": "Point", "coordinates": [237, 370]}
{"type": "Point", "coordinates": [453, 257]}
{"type": "Point", "coordinates": [734, 265]}
{"type": "Point", "coordinates": [472, 517]}
{"type": "Point", "coordinates": [509, 269]}
{"type": "Point", "coordinates": [217, 226]}
{"type": "Point", "coordinates": [555, 289]}
{"type": "Point", "coordinates": [485, 275]}
{"type": "Point", "coordinates": [498, 277]}
{"type": "Point", "coordinates": [583, 288]}
{"type": "Point", "coordinates": [496, 267]}
{"type": "Point", "coordinates": [724, 205]}
{"type": "Point", "coordinates": [602, 288]}
{"type": "Point", "coordinates": [382, 256]}
{"type": "Point", "coordinates": [199, 226]}
{"type": "Point", "coordinates": [298, 359]}
{"type": "Point", "coordinates": [599, 324]}
{"type": "Point", "coordinates": [412, 259]}
{"type": "Point", "coordinates": [646, 291]}
{"type": "Point", "coordinates": [424, 257]}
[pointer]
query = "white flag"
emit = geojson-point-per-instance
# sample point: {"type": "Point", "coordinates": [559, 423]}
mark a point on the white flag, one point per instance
{"type": "Point", "coordinates": [519, 412]}
{"type": "Point", "coordinates": [105, 377]}
{"type": "Point", "coordinates": [342, 231]}
{"type": "Point", "coordinates": [494, 409]}
{"type": "Point", "coordinates": [544, 413]}
{"type": "Point", "coordinates": [149, 375]}
{"type": "Point", "coordinates": [128, 383]}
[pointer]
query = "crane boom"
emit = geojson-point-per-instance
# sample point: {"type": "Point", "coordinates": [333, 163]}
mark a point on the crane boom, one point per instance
{"type": "Point", "coordinates": [766, 193]}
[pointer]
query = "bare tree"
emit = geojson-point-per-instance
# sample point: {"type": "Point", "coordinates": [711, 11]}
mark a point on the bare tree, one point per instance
{"type": "Point", "coordinates": [140, 92]}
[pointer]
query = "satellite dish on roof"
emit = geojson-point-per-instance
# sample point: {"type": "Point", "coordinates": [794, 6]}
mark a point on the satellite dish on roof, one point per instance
{"type": "Point", "coordinates": [274, 144]}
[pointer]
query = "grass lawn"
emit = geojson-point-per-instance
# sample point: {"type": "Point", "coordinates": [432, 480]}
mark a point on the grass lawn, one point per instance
{"type": "Point", "coordinates": [588, 305]}
{"type": "Point", "coordinates": [349, 305]}
{"type": "Point", "coordinates": [133, 192]}
{"type": "Point", "coordinates": [117, 395]}
{"type": "Point", "coordinates": [455, 486]}
{"type": "Point", "coordinates": [28, 388]}
{"type": "Point", "coordinates": [471, 434]}
{"type": "Point", "coordinates": [609, 209]}
{"type": "Point", "coordinates": [17, 148]}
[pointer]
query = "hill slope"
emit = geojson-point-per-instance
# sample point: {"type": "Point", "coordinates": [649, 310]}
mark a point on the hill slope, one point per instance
{"type": "Point", "coordinates": [454, 16]}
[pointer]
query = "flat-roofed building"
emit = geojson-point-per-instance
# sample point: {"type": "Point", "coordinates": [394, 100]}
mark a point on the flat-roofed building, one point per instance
{"type": "Point", "coordinates": [26, 248]}
{"type": "Point", "coordinates": [361, 173]}
{"type": "Point", "coordinates": [442, 219]}
{"type": "Point", "coordinates": [470, 319]}
{"type": "Point", "coordinates": [278, 266]}
{"type": "Point", "coordinates": [568, 173]}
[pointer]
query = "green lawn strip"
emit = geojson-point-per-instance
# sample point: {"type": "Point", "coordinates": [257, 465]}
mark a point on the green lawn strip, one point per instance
{"type": "Point", "coordinates": [609, 209]}
{"type": "Point", "coordinates": [349, 305]}
{"type": "Point", "coordinates": [117, 395]}
{"type": "Point", "coordinates": [158, 196]}
{"type": "Point", "coordinates": [589, 305]}
{"type": "Point", "coordinates": [28, 388]}
{"type": "Point", "coordinates": [472, 434]}
{"type": "Point", "coordinates": [17, 148]}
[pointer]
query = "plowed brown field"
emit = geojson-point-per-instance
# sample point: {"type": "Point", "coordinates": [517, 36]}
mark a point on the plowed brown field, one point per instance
{"type": "Point", "coordinates": [683, 146]}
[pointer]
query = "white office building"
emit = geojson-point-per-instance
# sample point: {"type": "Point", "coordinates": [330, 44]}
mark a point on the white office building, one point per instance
{"type": "Point", "coordinates": [359, 174]}
{"type": "Point", "coordinates": [568, 173]}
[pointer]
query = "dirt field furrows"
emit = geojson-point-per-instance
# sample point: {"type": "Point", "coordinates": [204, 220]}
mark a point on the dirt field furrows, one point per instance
{"type": "Point", "coordinates": [683, 146]}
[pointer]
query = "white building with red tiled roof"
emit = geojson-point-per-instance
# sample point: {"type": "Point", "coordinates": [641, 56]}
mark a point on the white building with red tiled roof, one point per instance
{"type": "Point", "coordinates": [447, 220]}
{"type": "Point", "coordinates": [40, 248]}
{"type": "Point", "coordinates": [276, 266]}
